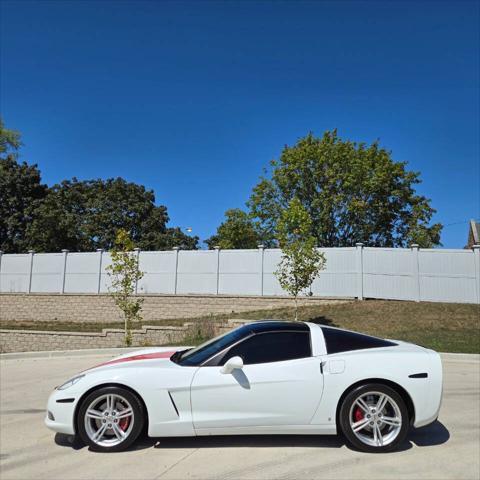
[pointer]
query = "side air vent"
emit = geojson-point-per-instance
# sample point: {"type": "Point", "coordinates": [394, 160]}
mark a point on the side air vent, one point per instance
{"type": "Point", "coordinates": [418, 375]}
{"type": "Point", "coordinates": [173, 403]}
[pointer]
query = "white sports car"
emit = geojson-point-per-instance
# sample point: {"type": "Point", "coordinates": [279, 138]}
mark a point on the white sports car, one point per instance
{"type": "Point", "coordinates": [266, 377]}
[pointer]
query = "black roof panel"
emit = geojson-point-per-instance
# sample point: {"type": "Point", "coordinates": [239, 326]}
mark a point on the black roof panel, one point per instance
{"type": "Point", "coordinates": [272, 325]}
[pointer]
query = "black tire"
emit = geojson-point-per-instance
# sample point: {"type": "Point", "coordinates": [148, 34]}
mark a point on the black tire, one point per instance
{"type": "Point", "coordinates": [345, 421]}
{"type": "Point", "coordinates": [138, 418]}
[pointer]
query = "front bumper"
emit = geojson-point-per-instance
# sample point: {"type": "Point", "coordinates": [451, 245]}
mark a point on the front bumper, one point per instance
{"type": "Point", "coordinates": [60, 415]}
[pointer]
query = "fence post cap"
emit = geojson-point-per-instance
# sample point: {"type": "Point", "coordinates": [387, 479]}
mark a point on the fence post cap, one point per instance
{"type": "Point", "coordinates": [476, 246]}
{"type": "Point", "coordinates": [1, 251]}
{"type": "Point", "coordinates": [217, 247]}
{"type": "Point", "coordinates": [414, 245]}
{"type": "Point", "coordinates": [99, 249]}
{"type": "Point", "coordinates": [137, 249]}
{"type": "Point", "coordinates": [261, 246]}
{"type": "Point", "coordinates": [359, 244]}
{"type": "Point", "coordinates": [65, 250]}
{"type": "Point", "coordinates": [31, 251]}
{"type": "Point", "coordinates": [176, 248]}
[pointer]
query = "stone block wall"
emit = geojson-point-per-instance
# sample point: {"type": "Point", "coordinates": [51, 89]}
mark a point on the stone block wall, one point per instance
{"type": "Point", "coordinates": [148, 336]}
{"type": "Point", "coordinates": [87, 308]}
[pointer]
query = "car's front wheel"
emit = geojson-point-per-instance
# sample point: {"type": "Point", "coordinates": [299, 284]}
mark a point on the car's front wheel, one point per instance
{"type": "Point", "coordinates": [110, 419]}
{"type": "Point", "coordinates": [374, 418]}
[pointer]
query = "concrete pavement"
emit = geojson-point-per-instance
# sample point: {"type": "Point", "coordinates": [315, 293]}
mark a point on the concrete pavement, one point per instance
{"type": "Point", "coordinates": [448, 449]}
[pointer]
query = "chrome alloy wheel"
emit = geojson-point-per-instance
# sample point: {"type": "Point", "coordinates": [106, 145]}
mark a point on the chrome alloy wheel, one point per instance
{"type": "Point", "coordinates": [375, 419]}
{"type": "Point", "coordinates": [109, 420]}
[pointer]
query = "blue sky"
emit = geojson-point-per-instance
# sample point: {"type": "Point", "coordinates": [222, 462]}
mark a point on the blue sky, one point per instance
{"type": "Point", "coordinates": [192, 99]}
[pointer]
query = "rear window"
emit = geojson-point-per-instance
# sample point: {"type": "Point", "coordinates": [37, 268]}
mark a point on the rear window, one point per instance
{"type": "Point", "coordinates": [342, 341]}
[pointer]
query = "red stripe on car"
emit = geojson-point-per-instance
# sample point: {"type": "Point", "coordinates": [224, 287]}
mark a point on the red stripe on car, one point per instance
{"type": "Point", "coordinates": [144, 356]}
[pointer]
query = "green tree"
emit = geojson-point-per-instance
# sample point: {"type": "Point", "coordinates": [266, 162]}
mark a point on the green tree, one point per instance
{"type": "Point", "coordinates": [236, 231]}
{"type": "Point", "coordinates": [85, 215]}
{"type": "Point", "coordinates": [9, 141]}
{"type": "Point", "coordinates": [353, 192]}
{"type": "Point", "coordinates": [301, 260]}
{"type": "Point", "coordinates": [21, 191]}
{"type": "Point", "coordinates": [125, 274]}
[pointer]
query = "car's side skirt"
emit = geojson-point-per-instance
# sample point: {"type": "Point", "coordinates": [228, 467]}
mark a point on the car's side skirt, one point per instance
{"type": "Point", "coordinates": [270, 430]}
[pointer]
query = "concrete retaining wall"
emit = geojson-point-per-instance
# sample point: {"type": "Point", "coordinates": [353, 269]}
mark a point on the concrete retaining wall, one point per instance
{"type": "Point", "coordinates": [35, 341]}
{"type": "Point", "coordinates": [87, 308]}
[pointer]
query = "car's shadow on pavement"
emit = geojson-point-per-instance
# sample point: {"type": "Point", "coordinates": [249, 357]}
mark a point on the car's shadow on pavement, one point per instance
{"type": "Point", "coordinates": [431, 435]}
{"type": "Point", "coordinates": [256, 441]}
{"type": "Point", "coordinates": [64, 440]}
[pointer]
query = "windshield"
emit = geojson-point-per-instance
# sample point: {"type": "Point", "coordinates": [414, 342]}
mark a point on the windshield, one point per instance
{"type": "Point", "coordinates": [196, 356]}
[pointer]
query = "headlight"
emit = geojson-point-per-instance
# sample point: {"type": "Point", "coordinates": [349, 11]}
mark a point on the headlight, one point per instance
{"type": "Point", "coordinates": [70, 382]}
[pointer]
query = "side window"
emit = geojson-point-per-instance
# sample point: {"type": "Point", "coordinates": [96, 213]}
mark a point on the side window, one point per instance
{"type": "Point", "coordinates": [270, 347]}
{"type": "Point", "coordinates": [343, 341]}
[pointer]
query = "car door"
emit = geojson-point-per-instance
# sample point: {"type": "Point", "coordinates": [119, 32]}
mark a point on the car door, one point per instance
{"type": "Point", "coordinates": [279, 384]}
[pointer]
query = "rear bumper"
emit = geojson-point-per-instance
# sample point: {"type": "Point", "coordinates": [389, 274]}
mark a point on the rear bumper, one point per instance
{"type": "Point", "coordinates": [434, 393]}
{"type": "Point", "coordinates": [426, 421]}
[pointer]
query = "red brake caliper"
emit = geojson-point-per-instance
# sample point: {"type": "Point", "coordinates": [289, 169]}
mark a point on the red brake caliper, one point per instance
{"type": "Point", "coordinates": [358, 414]}
{"type": "Point", "coordinates": [123, 423]}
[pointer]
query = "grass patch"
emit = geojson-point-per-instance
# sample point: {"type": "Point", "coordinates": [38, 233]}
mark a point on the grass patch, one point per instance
{"type": "Point", "coordinates": [445, 327]}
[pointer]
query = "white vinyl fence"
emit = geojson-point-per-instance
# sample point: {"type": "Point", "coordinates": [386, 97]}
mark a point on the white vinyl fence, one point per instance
{"type": "Point", "coordinates": [435, 275]}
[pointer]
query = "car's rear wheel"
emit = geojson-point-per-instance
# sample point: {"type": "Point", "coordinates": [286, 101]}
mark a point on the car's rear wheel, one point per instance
{"type": "Point", "coordinates": [374, 418]}
{"type": "Point", "coordinates": [110, 419]}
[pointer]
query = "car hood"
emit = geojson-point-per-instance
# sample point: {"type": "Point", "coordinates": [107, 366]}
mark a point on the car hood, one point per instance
{"type": "Point", "coordinates": [159, 356]}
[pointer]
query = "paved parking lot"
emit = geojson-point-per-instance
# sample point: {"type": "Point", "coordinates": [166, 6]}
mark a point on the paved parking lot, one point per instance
{"type": "Point", "coordinates": [448, 449]}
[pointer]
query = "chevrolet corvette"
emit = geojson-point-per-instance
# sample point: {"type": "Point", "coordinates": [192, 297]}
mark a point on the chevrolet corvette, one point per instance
{"type": "Point", "coordinates": [267, 377]}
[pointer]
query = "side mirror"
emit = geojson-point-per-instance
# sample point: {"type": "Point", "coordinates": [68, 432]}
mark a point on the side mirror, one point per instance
{"type": "Point", "coordinates": [232, 364]}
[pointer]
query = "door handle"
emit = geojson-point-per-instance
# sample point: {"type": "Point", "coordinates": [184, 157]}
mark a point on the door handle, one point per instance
{"type": "Point", "coordinates": [321, 367]}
